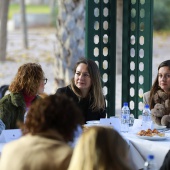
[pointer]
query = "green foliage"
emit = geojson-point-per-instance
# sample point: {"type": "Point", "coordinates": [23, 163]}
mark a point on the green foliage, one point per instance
{"type": "Point", "coordinates": [161, 19]}
{"type": "Point", "coordinates": [15, 8]}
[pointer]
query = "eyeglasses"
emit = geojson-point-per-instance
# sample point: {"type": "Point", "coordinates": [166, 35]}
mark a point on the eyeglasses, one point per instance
{"type": "Point", "coordinates": [45, 80]}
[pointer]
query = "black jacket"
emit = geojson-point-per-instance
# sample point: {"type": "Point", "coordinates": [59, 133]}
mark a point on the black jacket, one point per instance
{"type": "Point", "coordinates": [166, 163]}
{"type": "Point", "coordinates": [84, 104]}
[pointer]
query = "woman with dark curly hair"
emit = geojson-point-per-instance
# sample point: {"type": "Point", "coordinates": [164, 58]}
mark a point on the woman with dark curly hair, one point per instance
{"type": "Point", "coordinates": [86, 90]}
{"type": "Point", "coordinates": [24, 89]}
{"type": "Point", "coordinates": [50, 124]}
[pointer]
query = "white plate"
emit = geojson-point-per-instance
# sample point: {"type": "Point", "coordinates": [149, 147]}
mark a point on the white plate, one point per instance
{"type": "Point", "coordinates": [152, 138]}
{"type": "Point", "coordinates": [158, 127]}
{"type": "Point", "coordinates": [89, 125]}
{"type": "Point", "coordinates": [93, 122]}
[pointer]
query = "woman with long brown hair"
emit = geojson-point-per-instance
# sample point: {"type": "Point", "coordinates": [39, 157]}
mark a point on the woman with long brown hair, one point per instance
{"type": "Point", "coordinates": [158, 97]}
{"type": "Point", "coordinates": [86, 90]}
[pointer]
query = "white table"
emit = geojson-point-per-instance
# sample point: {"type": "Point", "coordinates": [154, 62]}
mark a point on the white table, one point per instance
{"type": "Point", "coordinates": [141, 148]}
{"type": "Point", "coordinates": [1, 146]}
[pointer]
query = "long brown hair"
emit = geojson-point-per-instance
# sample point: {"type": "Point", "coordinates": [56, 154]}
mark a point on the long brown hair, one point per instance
{"type": "Point", "coordinates": [27, 79]}
{"type": "Point", "coordinates": [96, 86]}
{"type": "Point", "coordinates": [155, 86]}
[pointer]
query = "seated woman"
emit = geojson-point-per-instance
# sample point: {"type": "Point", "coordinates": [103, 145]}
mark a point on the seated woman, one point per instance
{"type": "Point", "coordinates": [158, 97]}
{"type": "Point", "coordinates": [101, 148]}
{"type": "Point", "coordinates": [50, 124]}
{"type": "Point", "coordinates": [24, 89]}
{"type": "Point", "coordinates": [86, 90]}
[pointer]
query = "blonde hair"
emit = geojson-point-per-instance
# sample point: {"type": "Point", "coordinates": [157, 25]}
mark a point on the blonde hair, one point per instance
{"type": "Point", "coordinates": [96, 86]}
{"type": "Point", "coordinates": [27, 79]}
{"type": "Point", "coordinates": [100, 148]}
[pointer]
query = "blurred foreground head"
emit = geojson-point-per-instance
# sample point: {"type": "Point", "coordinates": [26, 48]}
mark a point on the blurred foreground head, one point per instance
{"type": "Point", "coordinates": [54, 112]}
{"type": "Point", "coordinates": [100, 148]}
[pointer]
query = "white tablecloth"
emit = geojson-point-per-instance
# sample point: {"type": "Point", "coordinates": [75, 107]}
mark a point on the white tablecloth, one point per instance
{"type": "Point", "coordinates": [1, 146]}
{"type": "Point", "coordinates": [141, 148]}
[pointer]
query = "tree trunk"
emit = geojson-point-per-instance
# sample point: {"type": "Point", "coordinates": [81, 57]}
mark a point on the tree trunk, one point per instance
{"type": "Point", "coordinates": [0, 10]}
{"type": "Point", "coordinates": [24, 24]}
{"type": "Point", "coordinates": [3, 28]}
{"type": "Point", "coordinates": [119, 36]}
{"type": "Point", "coordinates": [53, 10]}
{"type": "Point", "coordinates": [70, 38]}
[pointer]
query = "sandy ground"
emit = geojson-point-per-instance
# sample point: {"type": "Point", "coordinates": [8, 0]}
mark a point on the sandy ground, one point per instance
{"type": "Point", "coordinates": [41, 50]}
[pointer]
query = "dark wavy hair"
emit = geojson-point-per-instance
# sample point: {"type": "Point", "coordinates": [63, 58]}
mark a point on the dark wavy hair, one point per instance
{"type": "Point", "coordinates": [155, 86]}
{"type": "Point", "coordinates": [96, 87]}
{"type": "Point", "coordinates": [27, 79]}
{"type": "Point", "coordinates": [54, 112]}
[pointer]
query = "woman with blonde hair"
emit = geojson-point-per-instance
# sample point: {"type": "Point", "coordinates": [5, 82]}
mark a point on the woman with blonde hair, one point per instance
{"type": "Point", "coordinates": [86, 90]}
{"type": "Point", "coordinates": [24, 89]}
{"type": "Point", "coordinates": [101, 148]}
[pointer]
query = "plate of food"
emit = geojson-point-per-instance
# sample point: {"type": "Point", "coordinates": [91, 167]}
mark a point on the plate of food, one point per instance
{"type": "Point", "coordinates": [93, 122]}
{"type": "Point", "coordinates": [153, 138]}
{"type": "Point", "coordinates": [151, 135]}
{"type": "Point", "coordinates": [159, 127]}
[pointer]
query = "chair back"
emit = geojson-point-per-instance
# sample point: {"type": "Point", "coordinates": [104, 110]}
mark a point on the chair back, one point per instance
{"type": "Point", "coordinates": [3, 90]}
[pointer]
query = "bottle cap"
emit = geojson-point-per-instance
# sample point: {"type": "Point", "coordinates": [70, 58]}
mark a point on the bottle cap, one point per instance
{"type": "Point", "coordinates": [150, 157]}
{"type": "Point", "coordinates": [146, 106]}
{"type": "Point", "coordinates": [125, 104]}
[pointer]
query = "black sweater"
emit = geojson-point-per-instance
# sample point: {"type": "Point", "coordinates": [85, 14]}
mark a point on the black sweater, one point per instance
{"type": "Point", "coordinates": [84, 104]}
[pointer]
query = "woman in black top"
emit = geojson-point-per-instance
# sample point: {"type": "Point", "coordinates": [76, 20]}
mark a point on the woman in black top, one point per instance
{"type": "Point", "coordinates": [86, 90]}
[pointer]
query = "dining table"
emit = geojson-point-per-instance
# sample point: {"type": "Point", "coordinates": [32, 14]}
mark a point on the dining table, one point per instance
{"type": "Point", "coordinates": [1, 147]}
{"type": "Point", "coordinates": [140, 147]}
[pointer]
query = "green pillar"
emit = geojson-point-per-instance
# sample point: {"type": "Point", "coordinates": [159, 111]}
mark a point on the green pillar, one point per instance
{"type": "Point", "coordinates": [101, 44]}
{"type": "Point", "coordinates": [137, 52]}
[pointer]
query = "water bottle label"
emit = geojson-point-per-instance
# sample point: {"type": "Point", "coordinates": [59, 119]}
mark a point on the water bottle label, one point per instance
{"type": "Point", "coordinates": [147, 125]}
{"type": "Point", "coordinates": [125, 123]}
{"type": "Point", "coordinates": [125, 118]}
{"type": "Point", "coordinates": [125, 115]}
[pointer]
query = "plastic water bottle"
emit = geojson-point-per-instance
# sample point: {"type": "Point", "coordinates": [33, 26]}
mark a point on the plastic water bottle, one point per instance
{"type": "Point", "coordinates": [150, 164]}
{"type": "Point", "coordinates": [131, 120]}
{"type": "Point", "coordinates": [146, 118]}
{"type": "Point", "coordinates": [125, 114]}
